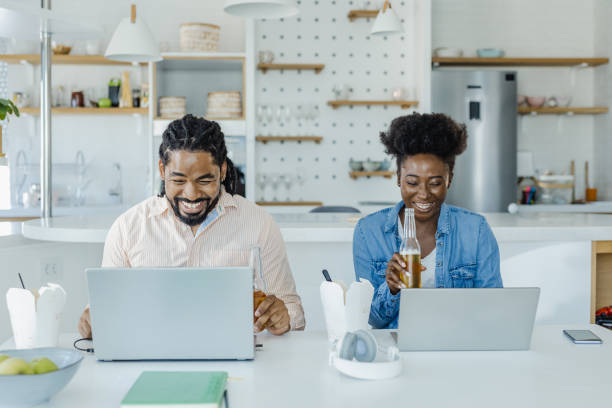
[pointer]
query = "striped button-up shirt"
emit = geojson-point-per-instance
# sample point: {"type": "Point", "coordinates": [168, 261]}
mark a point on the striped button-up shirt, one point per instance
{"type": "Point", "coordinates": [150, 234]}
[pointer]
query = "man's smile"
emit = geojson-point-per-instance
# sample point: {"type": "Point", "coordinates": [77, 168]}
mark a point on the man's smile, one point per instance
{"type": "Point", "coordinates": [191, 207]}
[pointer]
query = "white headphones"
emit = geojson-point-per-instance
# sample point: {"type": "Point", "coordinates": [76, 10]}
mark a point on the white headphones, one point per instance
{"type": "Point", "coordinates": [356, 356]}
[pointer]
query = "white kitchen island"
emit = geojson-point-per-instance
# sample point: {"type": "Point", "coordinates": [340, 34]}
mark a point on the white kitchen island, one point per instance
{"type": "Point", "coordinates": [292, 371]}
{"type": "Point", "coordinates": [551, 251]}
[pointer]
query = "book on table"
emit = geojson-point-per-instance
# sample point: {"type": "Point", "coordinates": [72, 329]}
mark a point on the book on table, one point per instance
{"type": "Point", "coordinates": [177, 389]}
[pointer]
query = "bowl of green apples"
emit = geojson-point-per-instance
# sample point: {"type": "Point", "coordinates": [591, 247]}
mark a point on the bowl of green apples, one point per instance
{"type": "Point", "coordinates": [31, 376]}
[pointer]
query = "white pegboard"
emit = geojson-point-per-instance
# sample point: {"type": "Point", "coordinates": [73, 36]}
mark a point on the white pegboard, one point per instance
{"type": "Point", "coordinates": [371, 66]}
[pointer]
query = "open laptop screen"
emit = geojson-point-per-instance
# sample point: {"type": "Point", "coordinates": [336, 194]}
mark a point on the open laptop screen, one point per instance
{"type": "Point", "coordinates": [171, 313]}
{"type": "Point", "coordinates": [467, 319]}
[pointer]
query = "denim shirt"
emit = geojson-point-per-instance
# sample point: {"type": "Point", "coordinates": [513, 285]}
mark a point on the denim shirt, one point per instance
{"type": "Point", "coordinates": [467, 256]}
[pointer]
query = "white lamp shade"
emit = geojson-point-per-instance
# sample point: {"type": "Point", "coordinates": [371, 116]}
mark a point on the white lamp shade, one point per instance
{"type": "Point", "coordinates": [269, 9]}
{"type": "Point", "coordinates": [133, 42]}
{"type": "Point", "coordinates": [386, 23]}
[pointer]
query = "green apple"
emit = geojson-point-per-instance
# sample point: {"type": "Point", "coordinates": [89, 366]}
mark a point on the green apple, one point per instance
{"type": "Point", "coordinates": [42, 365]}
{"type": "Point", "coordinates": [4, 357]}
{"type": "Point", "coordinates": [104, 103]}
{"type": "Point", "coordinates": [14, 365]}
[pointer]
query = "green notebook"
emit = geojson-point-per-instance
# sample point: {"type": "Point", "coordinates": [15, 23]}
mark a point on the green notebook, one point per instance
{"type": "Point", "coordinates": [177, 389]}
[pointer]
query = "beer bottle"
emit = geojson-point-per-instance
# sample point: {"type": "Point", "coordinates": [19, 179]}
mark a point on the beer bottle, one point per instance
{"type": "Point", "coordinates": [410, 251]}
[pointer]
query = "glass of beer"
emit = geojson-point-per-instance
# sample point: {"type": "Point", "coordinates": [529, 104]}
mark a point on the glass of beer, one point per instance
{"type": "Point", "coordinates": [410, 251]}
{"type": "Point", "coordinates": [259, 285]}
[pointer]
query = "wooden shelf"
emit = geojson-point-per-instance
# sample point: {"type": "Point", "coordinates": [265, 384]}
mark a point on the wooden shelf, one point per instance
{"type": "Point", "coordinates": [355, 14]}
{"type": "Point", "coordinates": [315, 67]}
{"type": "Point", "coordinates": [534, 62]}
{"type": "Point", "coordinates": [88, 111]}
{"type": "Point", "coordinates": [356, 174]}
{"type": "Point", "coordinates": [291, 203]}
{"type": "Point", "coordinates": [34, 59]}
{"type": "Point", "coordinates": [544, 184]}
{"type": "Point", "coordinates": [403, 104]}
{"type": "Point", "coordinates": [266, 139]}
{"type": "Point", "coordinates": [525, 110]}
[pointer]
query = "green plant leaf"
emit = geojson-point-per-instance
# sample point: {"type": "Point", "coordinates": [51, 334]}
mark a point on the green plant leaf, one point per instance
{"type": "Point", "coordinates": [7, 107]}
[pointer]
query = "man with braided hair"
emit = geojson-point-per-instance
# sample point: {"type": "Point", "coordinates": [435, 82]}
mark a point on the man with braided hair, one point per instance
{"type": "Point", "coordinates": [198, 220]}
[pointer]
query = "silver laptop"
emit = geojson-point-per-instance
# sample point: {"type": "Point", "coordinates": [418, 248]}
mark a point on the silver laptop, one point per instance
{"type": "Point", "coordinates": [467, 319]}
{"type": "Point", "coordinates": [171, 313]}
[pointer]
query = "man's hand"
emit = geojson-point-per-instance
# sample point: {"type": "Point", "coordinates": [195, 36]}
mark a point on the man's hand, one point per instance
{"type": "Point", "coordinates": [395, 267]}
{"type": "Point", "coordinates": [85, 324]}
{"type": "Point", "coordinates": [273, 315]}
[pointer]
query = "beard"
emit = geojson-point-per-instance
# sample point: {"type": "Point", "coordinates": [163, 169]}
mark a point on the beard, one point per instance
{"type": "Point", "coordinates": [194, 219]}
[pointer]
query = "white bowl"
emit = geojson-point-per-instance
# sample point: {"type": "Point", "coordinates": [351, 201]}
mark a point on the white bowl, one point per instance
{"type": "Point", "coordinates": [447, 52]}
{"type": "Point", "coordinates": [563, 100]}
{"type": "Point", "coordinates": [371, 165]}
{"type": "Point", "coordinates": [18, 391]}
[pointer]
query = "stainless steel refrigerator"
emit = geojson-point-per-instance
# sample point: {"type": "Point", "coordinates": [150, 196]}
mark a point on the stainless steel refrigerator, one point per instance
{"type": "Point", "coordinates": [485, 174]}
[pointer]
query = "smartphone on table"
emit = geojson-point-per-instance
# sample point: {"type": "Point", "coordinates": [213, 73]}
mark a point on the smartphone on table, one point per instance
{"type": "Point", "coordinates": [582, 336]}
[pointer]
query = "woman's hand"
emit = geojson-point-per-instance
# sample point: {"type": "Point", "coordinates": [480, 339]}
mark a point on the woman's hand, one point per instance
{"type": "Point", "coordinates": [395, 267]}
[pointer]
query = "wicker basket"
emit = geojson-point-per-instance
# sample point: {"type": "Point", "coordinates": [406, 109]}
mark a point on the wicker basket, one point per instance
{"type": "Point", "coordinates": [224, 105]}
{"type": "Point", "coordinates": [199, 37]}
{"type": "Point", "coordinates": [172, 107]}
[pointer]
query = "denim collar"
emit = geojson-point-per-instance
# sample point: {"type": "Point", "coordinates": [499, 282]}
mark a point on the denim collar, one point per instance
{"type": "Point", "coordinates": [443, 221]}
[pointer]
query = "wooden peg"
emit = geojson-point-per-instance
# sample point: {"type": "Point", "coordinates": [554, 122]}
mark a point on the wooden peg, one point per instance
{"type": "Point", "coordinates": [133, 17]}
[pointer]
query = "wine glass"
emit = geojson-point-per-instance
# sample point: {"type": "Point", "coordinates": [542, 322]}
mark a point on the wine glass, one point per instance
{"type": "Point", "coordinates": [262, 181]}
{"type": "Point", "coordinates": [300, 179]}
{"type": "Point", "coordinates": [299, 118]}
{"type": "Point", "coordinates": [287, 181]}
{"type": "Point", "coordinates": [287, 114]}
{"type": "Point", "coordinates": [259, 284]}
{"type": "Point", "coordinates": [269, 113]}
{"type": "Point", "coordinates": [275, 181]}
{"type": "Point", "coordinates": [261, 113]}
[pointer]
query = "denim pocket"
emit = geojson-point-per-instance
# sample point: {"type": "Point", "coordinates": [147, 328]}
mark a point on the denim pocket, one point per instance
{"type": "Point", "coordinates": [463, 276]}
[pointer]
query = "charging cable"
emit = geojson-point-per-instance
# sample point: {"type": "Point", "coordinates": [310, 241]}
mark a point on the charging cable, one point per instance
{"type": "Point", "coordinates": [87, 350]}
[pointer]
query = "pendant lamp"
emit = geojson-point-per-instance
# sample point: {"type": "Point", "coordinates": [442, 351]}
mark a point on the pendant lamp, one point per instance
{"type": "Point", "coordinates": [269, 9]}
{"type": "Point", "coordinates": [132, 41]}
{"type": "Point", "coordinates": [387, 22]}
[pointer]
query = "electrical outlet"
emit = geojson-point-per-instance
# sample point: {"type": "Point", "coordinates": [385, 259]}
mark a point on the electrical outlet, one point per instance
{"type": "Point", "coordinates": [51, 270]}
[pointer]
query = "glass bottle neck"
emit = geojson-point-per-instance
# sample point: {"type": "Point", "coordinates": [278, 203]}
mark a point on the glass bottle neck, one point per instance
{"type": "Point", "coordinates": [409, 223]}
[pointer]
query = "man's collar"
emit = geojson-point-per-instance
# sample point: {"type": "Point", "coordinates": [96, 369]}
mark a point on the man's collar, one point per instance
{"type": "Point", "coordinates": [161, 205]}
{"type": "Point", "coordinates": [225, 201]}
{"type": "Point", "coordinates": [443, 220]}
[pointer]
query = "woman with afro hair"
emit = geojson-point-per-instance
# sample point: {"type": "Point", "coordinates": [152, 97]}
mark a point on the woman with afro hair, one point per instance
{"type": "Point", "coordinates": [458, 249]}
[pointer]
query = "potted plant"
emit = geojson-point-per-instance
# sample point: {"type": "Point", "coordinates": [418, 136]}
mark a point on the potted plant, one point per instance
{"type": "Point", "coordinates": [7, 108]}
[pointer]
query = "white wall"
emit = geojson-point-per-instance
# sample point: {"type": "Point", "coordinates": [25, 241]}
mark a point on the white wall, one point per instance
{"type": "Point", "coordinates": [602, 33]}
{"type": "Point", "coordinates": [371, 66]}
{"type": "Point", "coordinates": [543, 28]}
{"type": "Point", "coordinates": [104, 139]}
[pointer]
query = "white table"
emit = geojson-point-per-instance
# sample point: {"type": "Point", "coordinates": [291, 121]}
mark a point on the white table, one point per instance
{"type": "Point", "coordinates": [292, 371]}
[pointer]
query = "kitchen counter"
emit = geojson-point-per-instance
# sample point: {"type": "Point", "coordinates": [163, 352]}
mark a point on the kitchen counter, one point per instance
{"type": "Point", "coordinates": [592, 207]}
{"type": "Point", "coordinates": [336, 227]}
{"type": "Point", "coordinates": [552, 251]}
{"type": "Point", "coordinates": [20, 212]}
